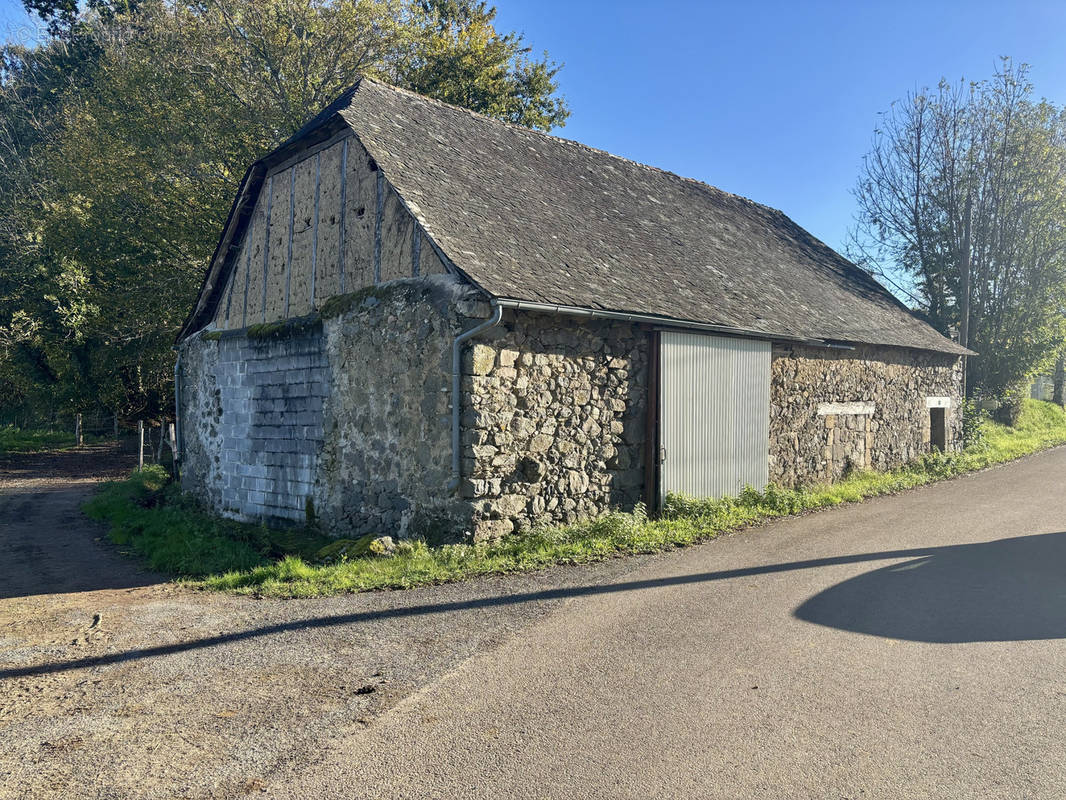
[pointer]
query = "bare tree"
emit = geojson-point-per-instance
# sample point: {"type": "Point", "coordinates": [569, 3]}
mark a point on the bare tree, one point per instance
{"type": "Point", "coordinates": [962, 204]}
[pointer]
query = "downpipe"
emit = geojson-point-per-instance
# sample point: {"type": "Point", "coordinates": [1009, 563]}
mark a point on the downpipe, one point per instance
{"type": "Point", "coordinates": [179, 450]}
{"type": "Point", "coordinates": [457, 368]}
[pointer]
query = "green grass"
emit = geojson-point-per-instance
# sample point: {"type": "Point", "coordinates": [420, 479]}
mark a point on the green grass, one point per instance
{"type": "Point", "coordinates": [22, 440]}
{"type": "Point", "coordinates": [174, 535]}
{"type": "Point", "coordinates": [177, 537]}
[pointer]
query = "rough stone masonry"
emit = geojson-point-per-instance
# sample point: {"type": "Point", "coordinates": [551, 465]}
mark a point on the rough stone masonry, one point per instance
{"type": "Point", "coordinates": [834, 410]}
{"type": "Point", "coordinates": [344, 417]}
{"type": "Point", "coordinates": [554, 430]}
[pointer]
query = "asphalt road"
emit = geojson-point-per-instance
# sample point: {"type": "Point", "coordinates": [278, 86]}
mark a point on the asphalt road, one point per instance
{"type": "Point", "coordinates": [908, 647]}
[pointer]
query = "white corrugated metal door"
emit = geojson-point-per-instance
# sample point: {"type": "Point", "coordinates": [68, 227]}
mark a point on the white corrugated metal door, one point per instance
{"type": "Point", "coordinates": [715, 414]}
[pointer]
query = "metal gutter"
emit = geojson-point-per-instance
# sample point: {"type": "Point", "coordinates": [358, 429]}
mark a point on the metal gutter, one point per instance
{"type": "Point", "coordinates": [457, 368]}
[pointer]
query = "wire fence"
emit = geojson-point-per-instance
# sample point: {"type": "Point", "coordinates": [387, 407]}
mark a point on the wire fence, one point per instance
{"type": "Point", "coordinates": [152, 440]}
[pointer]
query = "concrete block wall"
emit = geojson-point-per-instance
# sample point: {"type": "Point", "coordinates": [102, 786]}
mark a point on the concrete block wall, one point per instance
{"type": "Point", "coordinates": [273, 392]}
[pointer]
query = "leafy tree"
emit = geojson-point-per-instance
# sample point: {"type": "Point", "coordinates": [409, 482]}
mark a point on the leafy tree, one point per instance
{"type": "Point", "coordinates": [123, 139]}
{"type": "Point", "coordinates": [962, 206]}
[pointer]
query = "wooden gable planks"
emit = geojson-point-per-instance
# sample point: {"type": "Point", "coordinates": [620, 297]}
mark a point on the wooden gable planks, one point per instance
{"type": "Point", "coordinates": [395, 240]}
{"type": "Point", "coordinates": [291, 260]}
{"type": "Point", "coordinates": [359, 218]}
{"type": "Point", "coordinates": [328, 277]}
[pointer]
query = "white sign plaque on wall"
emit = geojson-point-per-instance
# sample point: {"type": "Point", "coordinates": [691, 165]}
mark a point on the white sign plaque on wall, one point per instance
{"type": "Point", "coordinates": [845, 408]}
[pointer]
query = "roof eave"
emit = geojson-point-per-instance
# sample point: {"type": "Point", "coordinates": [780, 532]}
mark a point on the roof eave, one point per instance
{"type": "Point", "coordinates": [675, 322]}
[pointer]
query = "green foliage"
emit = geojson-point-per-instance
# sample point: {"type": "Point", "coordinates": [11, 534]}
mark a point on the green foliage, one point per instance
{"type": "Point", "coordinates": [124, 138]}
{"type": "Point", "coordinates": [19, 440]}
{"type": "Point", "coordinates": [148, 514]}
{"type": "Point", "coordinates": [1010, 403]}
{"type": "Point", "coordinates": [962, 205]}
{"type": "Point", "coordinates": [175, 536]}
{"type": "Point", "coordinates": [974, 423]}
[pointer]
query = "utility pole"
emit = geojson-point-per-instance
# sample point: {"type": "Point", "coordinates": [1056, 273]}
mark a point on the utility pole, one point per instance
{"type": "Point", "coordinates": [1060, 369]}
{"type": "Point", "coordinates": [964, 287]}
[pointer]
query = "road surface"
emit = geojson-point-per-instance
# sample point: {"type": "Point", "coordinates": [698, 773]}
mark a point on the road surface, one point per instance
{"type": "Point", "coordinates": [908, 647]}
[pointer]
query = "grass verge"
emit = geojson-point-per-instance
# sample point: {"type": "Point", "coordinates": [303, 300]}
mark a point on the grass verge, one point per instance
{"type": "Point", "coordinates": [149, 516]}
{"type": "Point", "coordinates": [177, 537]}
{"type": "Point", "coordinates": [28, 440]}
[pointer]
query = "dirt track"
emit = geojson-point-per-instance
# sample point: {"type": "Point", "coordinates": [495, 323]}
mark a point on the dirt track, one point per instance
{"type": "Point", "coordinates": [40, 499]}
{"type": "Point", "coordinates": [114, 684]}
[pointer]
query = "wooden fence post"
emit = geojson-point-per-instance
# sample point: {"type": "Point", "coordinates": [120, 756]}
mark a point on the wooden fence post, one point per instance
{"type": "Point", "coordinates": [77, 429]}
{"type": "Point", "coordinates": [140, 447]}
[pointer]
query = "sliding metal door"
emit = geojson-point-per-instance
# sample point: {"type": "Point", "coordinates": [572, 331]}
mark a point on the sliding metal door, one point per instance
{"type": "Point", "coordinates": [715, 414]}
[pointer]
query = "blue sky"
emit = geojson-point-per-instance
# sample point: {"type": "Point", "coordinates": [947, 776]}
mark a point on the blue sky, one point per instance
{"type": "Point", "coordinates": [776, 101]}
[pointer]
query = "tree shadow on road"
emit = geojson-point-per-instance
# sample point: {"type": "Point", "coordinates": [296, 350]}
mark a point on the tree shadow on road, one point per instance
{"type": "Point", "coordinates": [47, 546]}
{"type": "Point", "coordinates": [1006, 590]}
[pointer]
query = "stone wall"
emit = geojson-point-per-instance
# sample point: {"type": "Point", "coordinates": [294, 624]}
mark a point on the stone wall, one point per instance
{"type": "Point", "coordinates": [873, 408]}
{"type": "Point", "coordinates": [554, 427]}
{"type": "Point", "coordinates": [344, 417]}
{"type": "Point", "coordinates": [386, 461]}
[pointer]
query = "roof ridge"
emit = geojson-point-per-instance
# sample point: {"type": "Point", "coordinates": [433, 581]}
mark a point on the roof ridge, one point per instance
{"type": "Point", "coordinates": [570, 142]}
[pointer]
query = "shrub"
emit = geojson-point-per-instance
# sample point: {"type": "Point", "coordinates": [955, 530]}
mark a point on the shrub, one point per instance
{"type": "Point", "coordinates": [974, 424]}
{"type": "Point", "coordinates": [1011, 404]}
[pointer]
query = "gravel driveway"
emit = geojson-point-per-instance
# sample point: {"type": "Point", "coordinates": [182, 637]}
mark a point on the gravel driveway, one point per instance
{"type": "Point", "coordinates": [115, 684]}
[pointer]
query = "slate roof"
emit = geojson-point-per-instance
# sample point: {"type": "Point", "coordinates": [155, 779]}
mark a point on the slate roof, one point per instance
{"type": "Point", "coordinates": [528, 216]}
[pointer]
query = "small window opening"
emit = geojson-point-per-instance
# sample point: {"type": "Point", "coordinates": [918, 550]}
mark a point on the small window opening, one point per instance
{"type": "Point", "coordinates": [938, 432]}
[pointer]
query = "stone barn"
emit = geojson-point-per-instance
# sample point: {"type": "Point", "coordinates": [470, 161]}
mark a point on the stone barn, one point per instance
{"type": "Point", "coordinates": [420, 321]}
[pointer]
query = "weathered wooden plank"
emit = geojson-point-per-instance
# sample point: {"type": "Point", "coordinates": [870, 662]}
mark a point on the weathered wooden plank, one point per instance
{"type": "Point", "coordinates": [314, 231]}
{"type": "Point", "coordinates": [343, 213]}
{"type": "Point", "coordinates": [379, 213]}
{"type": "Point", "coordinates": [256, 239]}
{"type": "Point", "coordinates": [277, 250]}
{"type": "Point", "coordinates": [327, 270]}
{"type": "Point", "coordinates": [416, 250]}
{"type": "Point", "coordinates": [394, 241]}
{"type": "Point", "coordinates": [429, 262]}
{"type": "Point", "coordinates": [362, 201]}
{"type": "Point", "coordinates": [292, 222]}
{"type": "Point", "coordinates": [302, 269]}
